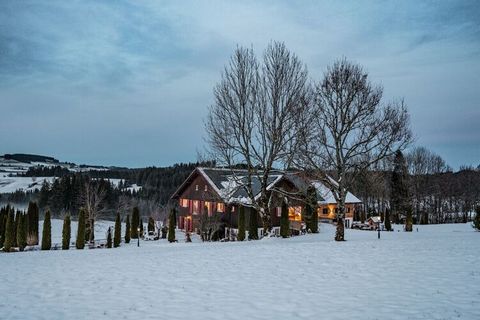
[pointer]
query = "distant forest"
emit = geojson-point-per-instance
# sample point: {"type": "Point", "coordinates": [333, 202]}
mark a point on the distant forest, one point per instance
{"type": "Point", "coordinates": [67, 193]}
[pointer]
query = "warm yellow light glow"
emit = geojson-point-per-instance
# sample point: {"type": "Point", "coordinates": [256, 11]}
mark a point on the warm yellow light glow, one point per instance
{"type": "Point", "coordinates": [184, 203]}
{"type": "Point", "coordinates": [295, 213]}
{"type": "Point", "coordinates": [220, 207]}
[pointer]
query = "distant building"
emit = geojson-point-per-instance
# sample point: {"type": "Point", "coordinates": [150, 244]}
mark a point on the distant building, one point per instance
{"type": "Point", "coordinates": [219, 191]}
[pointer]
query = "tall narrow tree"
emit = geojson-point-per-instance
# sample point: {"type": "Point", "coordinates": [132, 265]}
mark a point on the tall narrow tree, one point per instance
{"type": "Point", "coordinates": [284, 222]}
{"type": "Point", "coordinates": [253, 225]}
{"type": "Point", "coordinates": [32, 223]}
{"type": "Point", "coordinates": [80, 242]}
{"type": "Point", "coordinates": [127, 229]}
{"type": "Point", "coordinates": [151, 224]}
{"type": "Point", "coordinates": [171, 226]}
{"type": "Point", "coordinates": [47, 232]}
{"type": "Point", "coordinates": [66, 232]}
{"type": "Point", "coordinates": [135, 223]}
{"type": "Point", "coordinates": [117, 237]}
{"type": "Point", "coordinates": [311, 210]}
{"type": "Point", "coordinates": [109, 237]}
{"type": "Point", "coordinates": [400, 195]}
{"type": "Point", "coordinates": [22, 232]}
{"type": "Point", "coordinates": [241, 223]}
{"type": "Point", "coordinates": [388, 224]}
{"type": "Point", "coordinates": [9, 234]}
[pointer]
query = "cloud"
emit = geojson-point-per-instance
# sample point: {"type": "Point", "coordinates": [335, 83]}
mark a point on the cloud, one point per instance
{"type": "Point", "coordinates": [96, 81]}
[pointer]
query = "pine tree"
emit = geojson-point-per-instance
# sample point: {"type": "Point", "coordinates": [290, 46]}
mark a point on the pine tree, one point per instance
{"type": "Point", "coordinates": [151, 225]}
{"type": "Point", "coordinates": [241, 223]}
{"type": "Point", "coordinates": [22, 231]}
{"type": "Point", "coordinates": [476, 222]}
{"type": "Point", "coordinates": [109, 237]}
{"type": "Point", "coordinates": [284, 222]}
{"type": "Point", "coordinates": [253, 225]}
{"type": "Point", "coordinates": [66, 232]}
{"type": "Point", "coordinates": [388, 224]}
{"type": "Point", "coordinates": [47, 232]}
{"type": "Point", "coordinates": [32, 223]}
{"type": "Point", "coordinates": [117, 237]}
{"type": "Point", "coordinates": [127, 229]}
{"type": "Point", "coordinates": [135, 223]}
{"type": "Point", "coordinates": [171, 226]}
{"type": "Point", "coordinates": [3, 224]}
{"type": "Point", "coordinates": [311, 210]}
{"type": "Point", "coordinates": [80, 242]}
{"type": "Point", "coordinates": [400, 195]}
{"type": "Point", "coordinates": [8, 244]}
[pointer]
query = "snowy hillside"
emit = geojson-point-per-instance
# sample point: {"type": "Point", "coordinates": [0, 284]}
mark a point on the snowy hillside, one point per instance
{"type": "Point", "coordinates": [429, 274]}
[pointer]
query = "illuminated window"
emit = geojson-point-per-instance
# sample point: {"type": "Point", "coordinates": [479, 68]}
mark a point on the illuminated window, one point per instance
{"type": "Point", "coordinates": [295, 213]}
{"type": "Point", "coordinates": [184, 203]}
{"type": "Point", "coordinates": [196, 187]}
{"type": "Point", "coordinates": [220, 207]}
{"type": "Point", "coordinates": [206, 188]}
{"type": "Point", "coordinates": [195, 206]}
{"type": "Point", "coordinates": [233, 209]}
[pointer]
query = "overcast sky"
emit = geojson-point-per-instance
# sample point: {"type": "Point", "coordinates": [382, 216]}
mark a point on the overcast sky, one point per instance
{"type": "Point", "coordinates": [128, 82]}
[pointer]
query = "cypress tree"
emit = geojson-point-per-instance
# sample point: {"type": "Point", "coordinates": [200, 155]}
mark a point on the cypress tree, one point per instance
{"type": "Point", "coordinates": [3, 224]}
{"type": "Point", "coordinates": [8, 244]}
{"type": "Point", "coordinates": [253, 225]}
{"type": "Point", "coordinates": [311, 210]}
{"type": "Point", "coordinates": [400, 195]}
{"type": "Point", "coordinates": [22, 231]}
{"type": "Point", "coordinates": [241, 223]}
{"type": "Point", "coordinates": [47, 232]}
{"type": "Point", "coordinates": [135, 223]}
{"type": "Point", "coordinates": [15, 227]}
{"type": "Point", "coordinates": [109, 237]}
{"type": "Point", "coordinates": [32, 223]}
{"type": "Point", "coordinates": [80, 242]}
{"type": "Point", "coordinates": [151, 225]}
{"type": "Point", "coordinates": [388, 224]}
{"type": "Point", "coordinates": [127, 229]}
{"type": "Point", "coordinates": [171, 226]}
{"type": "Point", "coordinates": [117, 237]}
{"type": "Point", "coordinates": [284, 222]}
{"type": "Point", "coordinates": [66, 232]}
{"type": "Point", "coordinates": [476, 222]}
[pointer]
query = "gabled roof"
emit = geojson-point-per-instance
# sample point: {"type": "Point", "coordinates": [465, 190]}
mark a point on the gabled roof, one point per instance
{"type": "Point", "coordinates": [228, 184]}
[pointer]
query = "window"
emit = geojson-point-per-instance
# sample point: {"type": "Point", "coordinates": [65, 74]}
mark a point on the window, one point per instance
{"type": "Point", "coordinates": [208, 205]}
{"type": "Point", "coordinates": [195, 207]}
{"type": "Point", "coordinates": [233, 209]}
{"type": "Point", "coordinates": [184, 203]}
{"type": "Point", "coordinates": [206, 188]}
{"type": "Point", "coordinates": [325, 211]}
{"type": "Point", "coordinates": [196, 187]}
{"type": "Point", "coordinates": [295, 213]}
{"type": "Point", "coordinates": [279, 211]}
{"type": "Point", "coordinates": [347, 210]}
{"type": "Point", "coordinates": [220, 207]}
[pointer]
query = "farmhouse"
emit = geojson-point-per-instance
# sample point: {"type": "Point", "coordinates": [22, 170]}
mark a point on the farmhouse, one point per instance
{"type": "Point", "coordinates": [219, 192]}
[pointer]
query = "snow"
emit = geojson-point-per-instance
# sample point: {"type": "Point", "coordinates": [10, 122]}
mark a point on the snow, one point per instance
{"type": "Point", "coordinates": [328, 196]}
{"type": "Point", "coordinates": [429, 274]}
{"type": "Point", "coordinates": [12, 184]}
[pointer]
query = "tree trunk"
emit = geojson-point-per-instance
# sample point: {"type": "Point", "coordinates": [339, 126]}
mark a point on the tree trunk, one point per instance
{"type": "Point", "coordinates": [340, 233]}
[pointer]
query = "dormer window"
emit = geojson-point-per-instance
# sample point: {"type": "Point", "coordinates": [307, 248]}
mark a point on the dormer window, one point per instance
{"type": "Point", "coordinates": [196, 187]}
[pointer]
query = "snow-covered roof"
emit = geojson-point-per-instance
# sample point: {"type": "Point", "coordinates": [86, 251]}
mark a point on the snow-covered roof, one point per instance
{"type": "Point", "coordinates": [328, 197]}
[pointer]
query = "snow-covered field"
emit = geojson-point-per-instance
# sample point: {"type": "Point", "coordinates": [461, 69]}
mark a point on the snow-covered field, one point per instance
{"type": "Point", "coordinates": [430, 274]}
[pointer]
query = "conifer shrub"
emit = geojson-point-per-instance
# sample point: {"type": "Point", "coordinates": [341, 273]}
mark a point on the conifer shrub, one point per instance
{"type": "Point", "coordinates": [135, 223]}
{"type": "Point", "coordinates": [32, 223]}
{"type": "Point", "coordinates": [117, 237]}
{"type": "Point", "coordinates": [171, 226]}
{"type": "Point", "coordinates": [127, 229]}
{"type": "Point", "coordinates": [80, 242]}
{"type": "Point", "coordinates": [8, 243]}
{"type": "Point", "coordinates": [151, 225]}
{"type": "Point", "coordinates": [253, 225]}
{"type": "Point", "coordinates": [47, 232]}
{"type": "Point", "coordinates": [284, 222]}
{"type": "Point", "coordinates": [109, 237]}
{"type": "Point", "coordinates": [476, 222]}
{"type": "Point", "coordinates": [241, 223]}
{"type": "Point", "coordinates": [22, 232]}
{"type": "Point", "coordinates": [66, 232]}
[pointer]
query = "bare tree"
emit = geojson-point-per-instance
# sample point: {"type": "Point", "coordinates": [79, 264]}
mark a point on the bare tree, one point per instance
{"type": "Point", "coordinates": [350, 129]}
{"type": "Point", "coordinates": [92, 201]}
{"type": "Point", "coordinates": [254, 120]}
